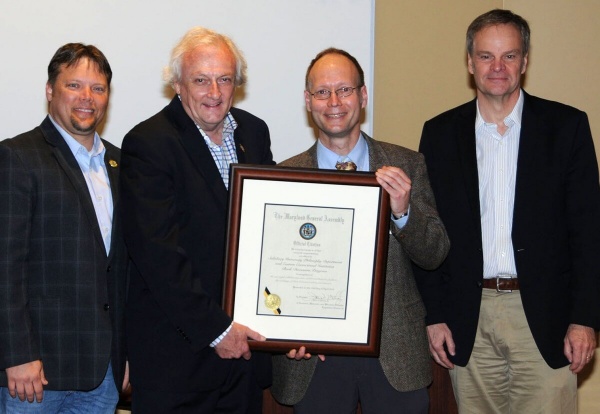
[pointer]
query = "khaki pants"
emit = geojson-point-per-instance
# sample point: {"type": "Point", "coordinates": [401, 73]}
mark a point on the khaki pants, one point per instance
{"type": "Point", "coordinates": [506, 373]}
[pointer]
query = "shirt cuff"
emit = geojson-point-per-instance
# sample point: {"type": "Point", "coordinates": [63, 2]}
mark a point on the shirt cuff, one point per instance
{"type": "Point", "coordinates": [220, 338]}
{"type": "Point", "coordinates": [401, 221]}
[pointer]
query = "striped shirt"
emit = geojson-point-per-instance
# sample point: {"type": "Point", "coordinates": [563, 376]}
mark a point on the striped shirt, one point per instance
{"type": "Point", "coordinates": [497, 168]}
{"type": "Point", "coordinates": [224, 154]}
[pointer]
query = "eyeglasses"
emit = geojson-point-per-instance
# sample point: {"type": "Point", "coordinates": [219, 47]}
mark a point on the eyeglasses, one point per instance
{"type": "Point", "coordinates": [323, 94]}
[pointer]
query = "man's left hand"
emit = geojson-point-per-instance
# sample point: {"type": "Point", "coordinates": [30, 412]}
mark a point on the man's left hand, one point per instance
{"type": "Point", "coordinates": [398, 185]}
{"type": "Point", "coordinates": [580, 344]}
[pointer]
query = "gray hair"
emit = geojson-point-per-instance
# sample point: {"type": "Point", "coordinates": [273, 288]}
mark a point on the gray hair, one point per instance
{"type": "Point", "coordinates": [195, 37]}
{"type": "Point", "coordinates": [494, 18]}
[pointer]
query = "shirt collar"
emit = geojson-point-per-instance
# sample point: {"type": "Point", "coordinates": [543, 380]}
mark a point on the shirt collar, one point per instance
{"type": "Point", "coordinates": [229, 126]}
{"type": "Point", "coordinates": [327, 158]}
{"type": "Point", "coordinates": [514, 118]}
{"type": "Point", "coordinates": [76, 147]}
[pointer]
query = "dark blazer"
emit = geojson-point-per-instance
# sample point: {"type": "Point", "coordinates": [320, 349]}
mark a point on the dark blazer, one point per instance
{"type": "Point", "coordinates": [175, 215]}
{"type": "Point", "coordinates": [556, 224]}
{"type": "Point", "coordinates": [62, 299]}
{"type": "Point", "coordinates": [404, 354]}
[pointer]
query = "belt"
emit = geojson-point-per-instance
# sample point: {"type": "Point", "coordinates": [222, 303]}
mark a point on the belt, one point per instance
{"type": "Point", "coordinates": [501, 283]}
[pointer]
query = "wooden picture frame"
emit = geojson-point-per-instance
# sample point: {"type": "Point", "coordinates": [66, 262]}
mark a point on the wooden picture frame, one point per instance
{"type": "Point", "coordinates": [306, 258]}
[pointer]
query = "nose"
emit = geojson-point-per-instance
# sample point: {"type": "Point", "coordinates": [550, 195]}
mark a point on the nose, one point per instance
{"type": "Point", "coordinates": [334, 100]}
{"type": "Point", "coordinates": [497, 65]}
{"type": "Point", "coordinates": [214, 90]}
{"type": "Point", "coordinates": [85, 94]}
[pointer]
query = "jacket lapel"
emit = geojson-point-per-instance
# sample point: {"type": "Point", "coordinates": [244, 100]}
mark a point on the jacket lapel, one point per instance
{"type": "Point", "coordinates": [240, 149]}
{"type": "Point", "coordinates": [112, 160]}
{"type": "Point", "coordinates": [377, 157]}
{"type": "Point", "coordinates": [69, 164]}
{"type": "Point", "coordinates": [311, 161]}
{"type": "Point", "coordinates": [199, 154]}
{"type": "Point", "coordinates": [528, 164]}
{"type": "Point", "coordinates": [467, 157]}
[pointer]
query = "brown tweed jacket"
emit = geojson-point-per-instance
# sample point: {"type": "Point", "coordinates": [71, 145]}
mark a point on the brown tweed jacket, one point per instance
{"type": "Point", "coordinates": [404, 353]}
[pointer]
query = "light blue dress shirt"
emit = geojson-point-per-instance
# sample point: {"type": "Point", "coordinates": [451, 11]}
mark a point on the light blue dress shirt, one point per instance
{"type": "Point", "coordinates": [96, 177]}
{"type": "Point", "coordinates": [327, 159]}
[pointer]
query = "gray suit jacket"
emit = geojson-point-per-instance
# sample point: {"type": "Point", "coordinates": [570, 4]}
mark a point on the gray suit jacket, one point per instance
{"type": "Point", "coordinates": [404, 354]}
{"type": "Point", "coordinates": [62, 298]}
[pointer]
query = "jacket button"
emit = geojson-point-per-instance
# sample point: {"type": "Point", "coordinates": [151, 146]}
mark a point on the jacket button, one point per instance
{"type": "Point", "coordinates": [480, 284]}
{"type": "Point", "coordinates": [108, 269]}
{"type": "Point", "coordinates": [106, 307]}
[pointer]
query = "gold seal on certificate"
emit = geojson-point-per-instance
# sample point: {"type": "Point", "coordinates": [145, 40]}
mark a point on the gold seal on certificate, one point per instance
{"type": "Point", "coordinates": [272, 301]}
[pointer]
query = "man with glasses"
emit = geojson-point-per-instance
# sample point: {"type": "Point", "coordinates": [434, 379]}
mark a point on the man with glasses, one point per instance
{"type": "Point", "coordinates": [186, 354]}
{"type": "Point", "coordinates": [395, 382]}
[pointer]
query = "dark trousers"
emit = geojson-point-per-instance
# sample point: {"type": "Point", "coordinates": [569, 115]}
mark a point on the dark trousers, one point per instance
{"type": "Point", "coordinates": [239, 394]}
{"type": "Point", "coordinates": [339, 383]}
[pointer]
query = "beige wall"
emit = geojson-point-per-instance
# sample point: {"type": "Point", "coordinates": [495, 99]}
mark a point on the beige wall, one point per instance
{"type": "Point", "coordinates": [420, 63]}
{"type": "Point", "coordinates": [420, 71]}
{"type": "Point", "coordinates": [420, 60]}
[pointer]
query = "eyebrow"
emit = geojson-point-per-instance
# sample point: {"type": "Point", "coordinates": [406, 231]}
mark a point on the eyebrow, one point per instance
{"type": "Point", "coordinates": [508, 52]}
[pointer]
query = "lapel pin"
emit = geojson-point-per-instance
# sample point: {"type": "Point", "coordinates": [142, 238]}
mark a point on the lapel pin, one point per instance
{"type": "Point", "coordinates": [242, 148]}
{"type": "Point", "coordinates": [112, 163]}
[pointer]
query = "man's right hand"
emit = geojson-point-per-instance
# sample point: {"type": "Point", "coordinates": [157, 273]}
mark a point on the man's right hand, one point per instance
{"type": "Point", "coordinates": [235, 343]}
{"type": "Point", "coordinates": [301, 354]}
{"type": "Point", "coordinates": [439, 334]}
{"type": "Point", "coordinates": [27, 381]}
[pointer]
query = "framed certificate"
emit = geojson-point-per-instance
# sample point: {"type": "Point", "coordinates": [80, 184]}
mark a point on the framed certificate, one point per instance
{"type": "Point", "coordinates": [306, 258]}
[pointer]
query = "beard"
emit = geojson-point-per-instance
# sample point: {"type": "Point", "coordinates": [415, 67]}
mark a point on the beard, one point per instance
{"type": "Point", "coordinates": [87, 128]}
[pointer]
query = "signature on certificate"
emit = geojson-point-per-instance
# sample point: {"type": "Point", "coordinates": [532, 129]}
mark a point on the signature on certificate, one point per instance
{"type": "Point", "coordinates": [323, 298]}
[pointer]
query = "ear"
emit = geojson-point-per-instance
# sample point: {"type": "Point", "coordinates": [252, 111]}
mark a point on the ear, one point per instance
{"type": "Point", "coordinates": [524, 65]}
{"type": "Point", "coordinates": [364, 97]}
{"type": "Point", "coordinates": [470, 64]}
{"type": "Point", "coordinates": [307, 100]}
{"type": "Point", "coordinates": [176, 87]}
{"type": "Point", "coordinates": [49, 90]}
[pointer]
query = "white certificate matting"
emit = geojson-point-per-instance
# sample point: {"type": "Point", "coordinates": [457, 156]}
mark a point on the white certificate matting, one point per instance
{"type": "Point", "coordinates": [314, 304]}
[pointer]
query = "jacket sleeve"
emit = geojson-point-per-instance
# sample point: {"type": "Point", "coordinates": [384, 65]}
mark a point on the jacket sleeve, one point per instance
{"type": "Point", "coordinates": [18, 342]}
{"type": "Point", "coordinates": [153, 218]}
{"type": "Point", "coordinates": [424, 236]}
{"type": "Point", "coordinates": [430, 279]}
